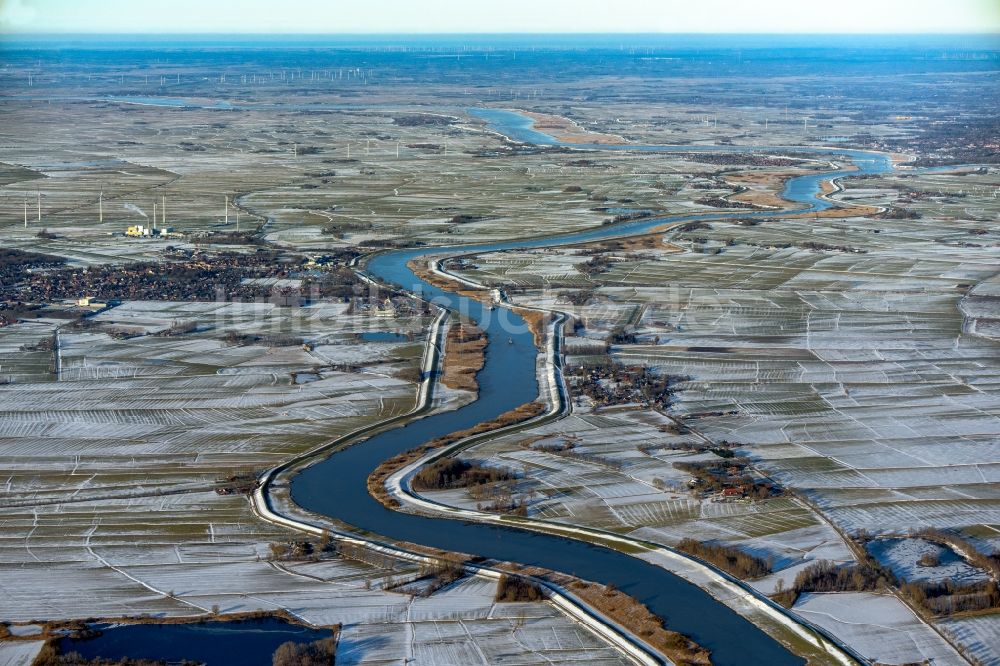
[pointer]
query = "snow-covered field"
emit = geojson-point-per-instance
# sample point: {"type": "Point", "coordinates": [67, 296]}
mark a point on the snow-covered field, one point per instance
{"type": "Point", "coordinates": [188, 554]}
{"type": "Point", "coordinates": [620, 477]}
{"type": "Point", "coordinates": [165, 412]}
{"type": "Point", "coordinates": [878, 626]}
{"type": "Point", "coordinates": [833, 351]}
{"type": "Point", "coordinates": [841, 355]}
{"type": "Point", "coordinates": [979, 635]}
{"type": "Point", "coordinates": [109, 470]}
{"type": "Point", "coordinates": [19, 653]}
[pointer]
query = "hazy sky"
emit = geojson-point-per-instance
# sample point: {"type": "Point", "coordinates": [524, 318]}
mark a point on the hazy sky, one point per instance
{"type": "Point", "coordinates": [423, 16]}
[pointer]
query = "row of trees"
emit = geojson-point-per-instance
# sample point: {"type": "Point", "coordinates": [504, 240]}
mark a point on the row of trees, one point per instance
{"type": "Point", "coordinates": [728, 558]}
{"type": "Point", "coordinates": [318, 653]}
{"type": "Point", "coordinates": [441, 574]}
{"type": "Point", "coordinates": [516, 588]}
{"type": "Point", "coordinates": [50, 655]}
{"type": "Point", "coordinates": [989, 562]}
{"type": "Point", "coordinates": [947, 598]}
{"type": "Point", "coordinates": [942, 598]}
{"type": "Point", "coordinates": [457, 473]}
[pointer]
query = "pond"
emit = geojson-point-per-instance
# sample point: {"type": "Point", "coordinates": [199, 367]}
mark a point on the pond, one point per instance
{"type": "Point", "coordinates": [215, 643]}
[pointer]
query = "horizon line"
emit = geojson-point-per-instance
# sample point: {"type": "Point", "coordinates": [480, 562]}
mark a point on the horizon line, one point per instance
{"type": "Point", "coordinates": [19, 33]}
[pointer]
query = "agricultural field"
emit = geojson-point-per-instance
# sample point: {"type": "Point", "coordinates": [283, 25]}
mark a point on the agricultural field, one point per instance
{"type": "Point", "coordinates": [879, 626]}
{"type": "Point", "coordinates": [613, 470]}
{"type": "Point", "coordinates": [157, 556]}
{"type": "Point", "coordinates": [312, 200]}
{"type": "Point", "coordinates": [797, 352]}
{"type": "Point", "coordinates": [164, 411]}
{"type": "Point", "coordinates": [371, 159]}
{"type": "Point", "coordinates": [113, 463]}
{"type": "Point", "coordinates": [979, 635]}
{"type": "Point", "coordinates": [840, 369]}
{"type": "Point", "coordinates": [14, 653]}
{"type": "Point", "coordinates": [840, 356]}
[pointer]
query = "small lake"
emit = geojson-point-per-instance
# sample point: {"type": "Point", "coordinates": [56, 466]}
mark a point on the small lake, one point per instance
{"type": "Point", "coordinates": [216, 643]}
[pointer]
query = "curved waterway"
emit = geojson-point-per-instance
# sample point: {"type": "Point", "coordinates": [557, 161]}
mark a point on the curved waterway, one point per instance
{"type": "Point", "coordinates": [337, 488]}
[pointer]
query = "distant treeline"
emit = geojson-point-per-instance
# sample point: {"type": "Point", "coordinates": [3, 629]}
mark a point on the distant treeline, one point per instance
{"type": "Point", "coordinates": [753, 159]}
{"type": "Point", "coordinates": [422, 119]}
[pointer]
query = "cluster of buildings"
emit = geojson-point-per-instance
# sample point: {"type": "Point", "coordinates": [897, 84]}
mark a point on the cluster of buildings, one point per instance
{"type": "Point", "coordinates": [139, 231]}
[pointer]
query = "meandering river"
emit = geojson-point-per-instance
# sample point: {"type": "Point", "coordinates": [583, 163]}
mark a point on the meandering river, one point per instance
{"type": "Point", "coordinates": [337, 488]}
{"type": "Point", "coordinates": [337, 485]}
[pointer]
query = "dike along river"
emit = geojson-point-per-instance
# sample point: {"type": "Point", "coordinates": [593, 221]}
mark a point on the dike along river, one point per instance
{"type": "Point", "coordinates": [336, 486]}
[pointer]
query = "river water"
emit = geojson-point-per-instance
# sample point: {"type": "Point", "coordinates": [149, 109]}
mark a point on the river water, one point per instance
{"type": "Point", "coordinates": [337, 486]}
